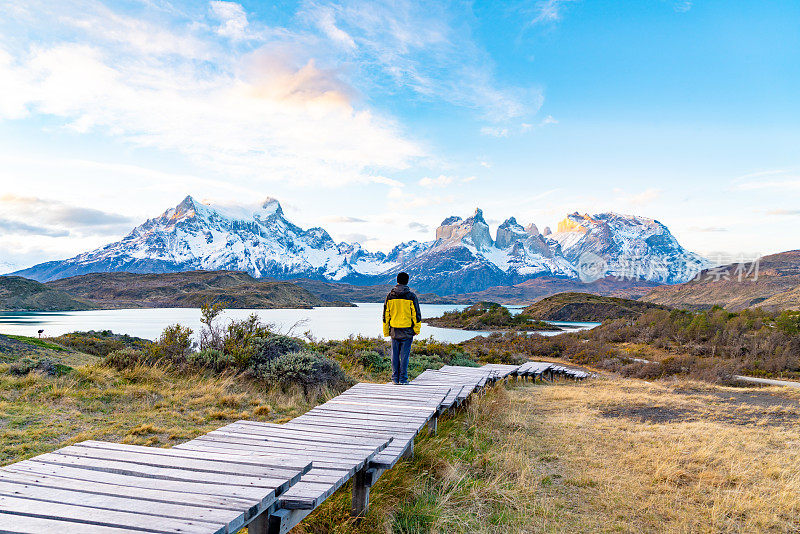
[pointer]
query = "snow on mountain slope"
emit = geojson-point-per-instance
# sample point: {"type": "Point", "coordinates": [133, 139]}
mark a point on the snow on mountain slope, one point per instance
{"type": "Point", "coordinates": [462, 258]}
{"type": "Point", "coordinates": [193, 235]}
{"type": "Point", "coordinates": [626, 246]}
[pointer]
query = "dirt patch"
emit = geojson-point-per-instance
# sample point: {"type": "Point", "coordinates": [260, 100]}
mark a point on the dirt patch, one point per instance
{"type": "Point", "coordinates": [651, 414]}
{"type": "Point", "coordinates": [746, 407]}
{"type": "Point", "coordinates": [743, 397]}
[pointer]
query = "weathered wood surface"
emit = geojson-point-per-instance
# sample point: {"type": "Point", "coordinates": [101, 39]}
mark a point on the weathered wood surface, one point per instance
{"type": "Point", "coordinates": [104, 487]}
{"type": "Point", "coordinates": [237, 474]}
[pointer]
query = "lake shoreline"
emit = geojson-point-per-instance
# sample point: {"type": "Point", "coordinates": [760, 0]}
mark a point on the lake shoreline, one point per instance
{"type": "Point", "coordinates": [329, 323]}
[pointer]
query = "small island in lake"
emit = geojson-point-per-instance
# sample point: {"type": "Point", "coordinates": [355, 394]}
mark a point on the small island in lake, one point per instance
{"type": "Point", "coordinates": [488, 316]}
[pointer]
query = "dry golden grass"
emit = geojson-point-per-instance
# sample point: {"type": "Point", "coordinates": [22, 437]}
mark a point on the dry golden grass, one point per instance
{"type": "Point", "coordinates": [144, 405]}
{"type": "Point", "coordinates": [609, 455]}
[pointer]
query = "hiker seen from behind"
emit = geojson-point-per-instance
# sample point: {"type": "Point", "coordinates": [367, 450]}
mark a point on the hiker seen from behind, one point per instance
{"type": "Point", "coordinates": [401, 321]}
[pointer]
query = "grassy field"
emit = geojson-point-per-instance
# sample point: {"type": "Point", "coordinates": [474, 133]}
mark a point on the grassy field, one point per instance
{"type": "Point", "coordinates": [607, 455]}
{"type": "Point", "coordinates": [144, 405]}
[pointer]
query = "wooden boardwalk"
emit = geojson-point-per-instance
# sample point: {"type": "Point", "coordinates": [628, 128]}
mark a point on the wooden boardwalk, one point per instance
{"type": "Point", "coordinates": [262, 476]}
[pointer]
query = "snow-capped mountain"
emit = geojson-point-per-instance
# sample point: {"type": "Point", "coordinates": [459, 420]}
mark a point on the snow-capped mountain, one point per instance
{"type": "Point", "coordinates": [462, 258]}
{"type": "Point", "coordinates": [194, 235]}
{"type": "Point", "coordinates": [625, 246]}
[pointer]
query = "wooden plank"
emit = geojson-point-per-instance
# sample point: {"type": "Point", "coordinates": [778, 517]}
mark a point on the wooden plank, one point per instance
{"type": "Point", "coordinates": [392, 398]}
{"type": "Point", "coordinates": [20, 524]}
{"type": "Point", "coordinates": [88, 475]}
{"type": "Point", "coordinates": [297, 449]}
{"type": "Point", "coordinates": [212, 447]}
{"type": "Point", "coordinates": [381, 413]}
{"type": "Point", "coordinates": [109, 518]}
{"type": "Point", "coordinates": [147, 458]}
{"type": "Point", "coordinates": [366, 438]}
{"type": "Point", "coordinates": [354, 451]}
{"type": "Point", "coordinates": [310, 430]}
{"type": "Point", "coordinates": [311, 427]}
{"type": "Point", "coordinates": [340, 423]}
{"type": "Point", "coordinates": [161, 473]}
{"type": "Point", "coordinates": [144, 494]}
{"type": "Point", "coordinates": [263, 461]}
{"type": "Point", "coordinates": [390, 419]}
{"type": "Point", "coordinates": [362, 422]}
{"type": "Point", "coordinates": [381, 405]}
{"type": "Point", "coordinates": [290, 433]}
{"type": "Point", "coordinates": [121, 503]}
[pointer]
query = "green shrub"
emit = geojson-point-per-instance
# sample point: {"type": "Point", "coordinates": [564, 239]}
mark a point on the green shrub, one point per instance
{"type": "Point", "coordinates": [240, 337]}
{"type": "Point", "coordinates": [212, 359]}
{"type": "Point", "coordinates": [374, 361]}
{"type": "Point", "coordinates": [127, 358]}
{"type": "Point", "coordinates": [99, 343]}
{"type": "Point", "coordinates": [268, 349]}
{"type": "Point", "coordinates": [44, 365]}
{"type": "Point", "coordinates": [307, 369]}
{"type": "Point", "coordinates": [175, 343]}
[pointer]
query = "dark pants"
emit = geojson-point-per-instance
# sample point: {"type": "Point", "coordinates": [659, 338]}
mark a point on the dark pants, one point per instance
{"type": "Point", "coordinates": [401, 349]}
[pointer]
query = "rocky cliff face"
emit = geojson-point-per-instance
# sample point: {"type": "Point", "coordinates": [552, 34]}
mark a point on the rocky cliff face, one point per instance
{"type": "Point", "coordinates": [462, 258]}
{"type": "Point", "coordinates": [626, 246]}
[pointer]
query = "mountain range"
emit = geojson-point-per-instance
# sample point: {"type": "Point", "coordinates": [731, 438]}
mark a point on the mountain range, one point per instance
{"type": "Point", "coordinates": [462, 258]}
{"type": "Point", "coordinates": [770, 282]}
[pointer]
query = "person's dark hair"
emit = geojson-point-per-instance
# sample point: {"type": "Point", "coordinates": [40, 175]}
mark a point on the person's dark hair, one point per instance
{"type": "Point", "coordinates": [402, 278]}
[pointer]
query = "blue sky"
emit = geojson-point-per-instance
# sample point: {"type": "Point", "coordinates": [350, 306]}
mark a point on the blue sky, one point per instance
{"type": "Point", "coordinates": [376, 120]}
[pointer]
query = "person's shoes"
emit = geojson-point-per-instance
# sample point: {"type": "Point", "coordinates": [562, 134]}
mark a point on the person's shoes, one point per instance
{"type": "Point", "coordinates": [395, 382]}
{"type": "Point", "coordinates": [404, 383]}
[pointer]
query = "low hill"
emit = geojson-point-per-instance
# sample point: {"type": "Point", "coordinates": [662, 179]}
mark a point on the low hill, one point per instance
{"type": "Point", "coordinates": [20, 294]}
{"type": "Point", "coordinates": [772, 283]}
{"type": "Point", "coordinates": [586, 307]}
{"type": "Point", "coordinates": [186, 290]}
{"type": "Point", "coordinates": [488, 316]}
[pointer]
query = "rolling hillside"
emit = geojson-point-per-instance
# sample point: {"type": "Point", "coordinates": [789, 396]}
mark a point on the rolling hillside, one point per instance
{"type": "Point", "coordinates": [20, 294]}
{"type": "Point", "coordinates": [587, 307]}
{"type": "Point", "coordinates": [772, 283]}
{"type": "Point", "coordinates": [186, 290]}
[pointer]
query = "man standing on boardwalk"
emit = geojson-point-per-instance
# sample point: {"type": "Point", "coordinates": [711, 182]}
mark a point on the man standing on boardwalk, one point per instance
{"type": "Point", "coordinates": [401, 321]}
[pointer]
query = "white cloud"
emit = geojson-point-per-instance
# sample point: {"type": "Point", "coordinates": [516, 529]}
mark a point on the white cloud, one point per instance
{"type": "Point", "coordinates": [783, 212]}
{"type": "Point", "coordinates": [342, 219]}
{"type": "Point", "coordinates": [637, 199]}
{"type": "Point", "coordinates": [790, 184]}
{"type": "Point", "coordinates": [769, 180]}
{"type": "Point", "coordinates": [262, 114]}
{"type": "Point", "coordinates": [439, 181]}
{"type": "Point", "coordinates": [427, 47]}
{"type": "Point", "coordinates": [494, 131]}
{"type": "Point", "coordinates": [325, 20]}
{"type": "Point", "coordinates": [232, 18]}
{"type": "Point", "coordinates": [548, 11]}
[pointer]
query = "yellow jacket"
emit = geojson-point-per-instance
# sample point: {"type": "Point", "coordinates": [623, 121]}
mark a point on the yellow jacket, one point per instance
{"type": "Point", "coordinates": [401, 315]}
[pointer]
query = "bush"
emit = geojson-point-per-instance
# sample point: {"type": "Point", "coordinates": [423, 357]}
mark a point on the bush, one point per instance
{"type": "Point", "coordinates": [127, 358]}
{"type": "Point", "coordinates": [175, 343]}
{"type": "Point", "coordinates": [374, 361]}
{"type": "Point", "coordinates": [268, 349]}
{"type": "Point", "coordinates": [212, 359]}
{"type": "Point", "coordinates": [307, 369]}
{"type": "Point", "coordinates": [240, 339]}
{"type": "Point", "coordinates": [99, 343]}
{"type": "Point", "coordinates": [48, 367]}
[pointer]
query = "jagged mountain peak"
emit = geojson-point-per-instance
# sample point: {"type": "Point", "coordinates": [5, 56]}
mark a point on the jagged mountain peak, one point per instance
{"type": "Point", "coordinates": [463, 257]}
